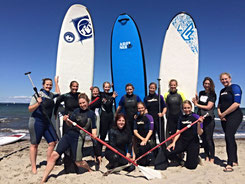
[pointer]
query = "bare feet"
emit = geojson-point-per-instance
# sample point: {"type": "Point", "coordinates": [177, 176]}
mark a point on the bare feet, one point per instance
{"type": "Point", "coordinates": [211, 160]}
{"type": "Point", "coordinates": [34, 170]}
{"type": "Point", "coordinates": [235, 164]}
{"type": "Point", "coordinates": [206, 159]}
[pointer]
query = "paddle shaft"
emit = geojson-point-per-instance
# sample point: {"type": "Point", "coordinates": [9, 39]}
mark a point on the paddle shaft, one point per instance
{"type": "Point", "coordinates": [159, 110]}
{"type": "Point", "coordinates": [172, 136]}
{"type": "Point", "coordinates": [102, 142]}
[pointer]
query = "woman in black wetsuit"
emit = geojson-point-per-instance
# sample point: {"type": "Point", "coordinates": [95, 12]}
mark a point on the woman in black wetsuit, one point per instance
{"type": "Point", "coordinates": [120, 138]}
{"type": "Point", "coordinates": [106, 116]}
{"type": "Point", "coordinates": [188, 140]}
{"type": "Point", "coordinates": [74, 137]}
{"type": "Point", "coordinates": [143, 129]}
{"type": "Point", "coordinates": [70, 101]}
{"type": "Point", "coordinates": [231, 117]}
{"type": "Point", "coordinates": [206, 104]}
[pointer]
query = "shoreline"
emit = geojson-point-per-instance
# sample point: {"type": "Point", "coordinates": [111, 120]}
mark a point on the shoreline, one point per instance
{"type": "Point", "coordinates": [16, 168]}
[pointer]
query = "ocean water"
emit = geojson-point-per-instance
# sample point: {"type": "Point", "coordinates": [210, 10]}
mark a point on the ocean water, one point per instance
{"type": "Point", "coordinates": [14, 119]}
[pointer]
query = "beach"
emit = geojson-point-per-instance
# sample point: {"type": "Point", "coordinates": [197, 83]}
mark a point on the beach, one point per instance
{"type": "Point", "coordinates": [16, 168]}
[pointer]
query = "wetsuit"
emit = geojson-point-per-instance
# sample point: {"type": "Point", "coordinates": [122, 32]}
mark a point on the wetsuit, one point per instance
{"type": "Point", "coordinates": [106, 116]}
{"type": "Point", "coordinates": [174, 102]}
{"type": "Point", "coordinates": [152, 105]}
{"type": "Point", "coordinates": [129, 105]}
{"type": "Point", "coordinates": [188, 141]}
{"type": "Point", "coordinates": [208, 123]}
{"type": "Point", "coordinates": [143, 124]}
{"type": "Point", "coordinates": [40, 120]}
{"type": "Point", "coordinates": [71, 103]}
{"type": "Point", "coordinates": [74, 137]}
{"type": "Point", "coordinates": [121, 140]}
{"type": "Point", "coordinates": [228, 96]}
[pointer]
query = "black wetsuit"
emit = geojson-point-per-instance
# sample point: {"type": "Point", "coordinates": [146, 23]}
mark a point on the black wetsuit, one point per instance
{"type": "Point", "coordinates": [121, 140]}
{"type": "Point", "coordinates": [228, 96]}
{"type": "Point", "coordinates": [143, 124]}
{"type": "Point", "coordinates": [208, 123]}
{"type": "Point", "coordinates": [106, 116]}
{"type": "Point", "coordinates": [174, 102]}
{"type": "Point", "coordinates": [152, 105]}
{"type": "Point", "coordinates": [129, 105]}
{"type": "Point", "coordinates": [71, 103]}
{"type": "Point", "coordinates": [188, 141]}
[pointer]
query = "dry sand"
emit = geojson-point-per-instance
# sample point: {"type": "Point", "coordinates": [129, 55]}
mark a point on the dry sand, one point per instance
{"type": "Point", "coordinates": [16, 168]}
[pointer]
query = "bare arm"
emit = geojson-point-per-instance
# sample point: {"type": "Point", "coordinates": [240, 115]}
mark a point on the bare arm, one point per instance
{"type": "Point", "coordinates": [56, 81]}
{"type": "Point", "coordinates": [33, 107]}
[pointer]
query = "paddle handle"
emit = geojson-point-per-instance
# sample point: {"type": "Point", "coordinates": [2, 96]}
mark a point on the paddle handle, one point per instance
{"type": "Point", "coordinates": [102, 142]}
{"type": "Point", "coordinates": [172, 136]}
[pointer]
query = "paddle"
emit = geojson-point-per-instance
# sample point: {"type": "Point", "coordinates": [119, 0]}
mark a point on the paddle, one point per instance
{"type": "Point", "coordinates": [148, 172]}
{"type": "Point", "coordinates": [172, 136]}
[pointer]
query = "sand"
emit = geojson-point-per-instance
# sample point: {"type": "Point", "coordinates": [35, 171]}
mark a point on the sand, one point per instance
{"type": "Point", "coordinates": [16, 168]}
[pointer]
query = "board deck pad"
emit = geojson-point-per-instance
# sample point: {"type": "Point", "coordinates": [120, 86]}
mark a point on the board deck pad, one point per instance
{"type": "Point", "coordinates": [180, 56]}
{"type": "Point", "coordinates": [127, 58]}
{"type": "Point", "coordinates": [11, 138]}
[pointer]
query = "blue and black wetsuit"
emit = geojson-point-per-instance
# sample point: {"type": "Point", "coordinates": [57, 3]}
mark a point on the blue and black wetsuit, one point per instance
{"type": "Point", "coordinates": [143, 124]}
{"type": "Point", "coordinates": [71, 103]}
{"type": "Point", "coordinates": [152, 105]}
{"type": "Point", "coordinates": [228, 96]}
{"type": "Point", "coordinates": [129, 106]}
{"type": "Point", "coordinates": [40, 120]}
{"type": "Point", "coordinates": [188, 141]}
{"type": "Point", "coordinates": [74, 137]}
{"type": "Point", "coordinates": [208, 123]}
{"type": "Point", "coordinates": [174, 102]}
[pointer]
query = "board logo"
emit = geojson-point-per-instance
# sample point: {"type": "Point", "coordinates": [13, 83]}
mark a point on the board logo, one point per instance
{"type": "Point", "coordinates": [125, 45]}
{"type": "Point", "coordinates": [69, 37]}
{"type": "Point", "coordinates": [186, 35]}
{"type": "Point", "coordinates": [84, 27]}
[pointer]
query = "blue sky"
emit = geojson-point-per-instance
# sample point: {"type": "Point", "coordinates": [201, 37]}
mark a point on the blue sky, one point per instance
{"type": "Point", "coordinates": [30, 31]}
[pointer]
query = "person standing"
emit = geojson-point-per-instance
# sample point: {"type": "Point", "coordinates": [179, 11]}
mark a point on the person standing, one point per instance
{"type": "Point", "coordinates": [205, 103]}
{"type": "Point", "coordinates": [40, 121]}
{"type": "Point", "coordinates": [231, 117]}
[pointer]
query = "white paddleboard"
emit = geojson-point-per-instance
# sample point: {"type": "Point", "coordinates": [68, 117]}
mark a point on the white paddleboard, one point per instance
{"type": "Point", "coordinates": [11, 138]}
{"type": "Point", "coordinates": [75, 59]}
{"type": "Point", "coordinates": [180, 56]}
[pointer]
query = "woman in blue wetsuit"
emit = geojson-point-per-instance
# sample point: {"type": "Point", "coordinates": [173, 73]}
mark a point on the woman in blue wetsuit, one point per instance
{"type": "Point", "coordinates": [74, 137]}
{"type": "Point", "coordinates": [231, 117]}
{"type": "Point", "coordinates": [188, 140]}
{"type": "Point", "coordinates": [40, 120]}
{"type": "Point", "coordinates": [206, 104]}
{"type": "Point", "coordinates": [152, 105]}
{"type": "Point", "coordinates": [70, 101]}
{"type": "Point", "coordinates": [143, 130]}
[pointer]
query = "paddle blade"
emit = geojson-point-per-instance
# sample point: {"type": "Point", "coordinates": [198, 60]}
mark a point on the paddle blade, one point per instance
{"type": "Point", "coordinates": [150, 173]}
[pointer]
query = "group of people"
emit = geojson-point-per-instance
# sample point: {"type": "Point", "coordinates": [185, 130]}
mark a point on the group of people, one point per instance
{"type": "Point", "coordinates": [133, 130]}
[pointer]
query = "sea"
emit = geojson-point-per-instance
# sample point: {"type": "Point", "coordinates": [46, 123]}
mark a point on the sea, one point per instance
{"type": "Point", "coordinates": [14, 118]}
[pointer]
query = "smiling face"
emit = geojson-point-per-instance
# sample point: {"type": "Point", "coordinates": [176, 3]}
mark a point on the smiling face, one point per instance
{"type": "Point", "coordinates": [48, 84]}
{"type": "Point", "coordinates": [121, 122]}
{"type": "Point", "coordinates": [225, 80]}
{"type": "Point", "coordinates": [129, 90]}
{"type": "Point", "coordinates": [107, 87]}
{"type": "Point", "coordinates": [141, 108]}
{"type": "Point", "coordinates": [206, 85]}
{"type": "Point", "coordinates": [83, 104]}
{"type": "Point", "coordinates": [152, 88]}
{"type": "Point", "coordinates": [95, 92]}
{"type": "Point", "coordinates": [187, 108]}
{"type": "Point", "coordinates": [173, 86]}
{"type": "Point", "coordinates": [74, 87]}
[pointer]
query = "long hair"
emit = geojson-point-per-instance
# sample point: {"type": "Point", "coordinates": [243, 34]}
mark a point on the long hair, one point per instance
{"type": "Point", "coordinates": [212, 86]}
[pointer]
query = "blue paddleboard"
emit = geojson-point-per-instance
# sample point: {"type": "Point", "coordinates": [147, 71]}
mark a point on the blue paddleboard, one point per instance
{"type": "Point", "coordinates": [127, 58]}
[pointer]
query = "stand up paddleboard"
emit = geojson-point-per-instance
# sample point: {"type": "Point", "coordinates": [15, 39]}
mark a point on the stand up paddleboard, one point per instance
{"type": "Point", "coordinates": [11, 138]}
{"type": "Point", "coordinates": [180, 55]}
{"type": "Point", "coordinates": [127, 58]}
{"type": "Point", "coordinates": [75, 59]}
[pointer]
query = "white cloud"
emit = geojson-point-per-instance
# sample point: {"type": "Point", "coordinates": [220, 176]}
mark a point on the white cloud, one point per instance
{"type": "Point", "coordinates": [15, 99]}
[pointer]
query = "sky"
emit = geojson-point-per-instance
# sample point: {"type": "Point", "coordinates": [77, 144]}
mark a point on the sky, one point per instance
{"type": "Point", "coordinates": [30, 33]}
